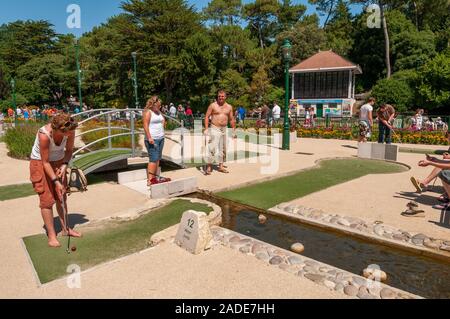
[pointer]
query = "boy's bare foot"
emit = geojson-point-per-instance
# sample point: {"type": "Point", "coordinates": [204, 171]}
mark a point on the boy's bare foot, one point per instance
{"type": "Point", "coordinates": [53, 243]}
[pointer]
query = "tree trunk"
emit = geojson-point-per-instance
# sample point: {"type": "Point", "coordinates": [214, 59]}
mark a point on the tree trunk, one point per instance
{"type": "Point", "coordinates": [386, 40]}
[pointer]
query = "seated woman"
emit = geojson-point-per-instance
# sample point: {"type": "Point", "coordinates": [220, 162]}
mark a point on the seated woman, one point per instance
{"type": "Point", "coordinates": [50, 157]}
{"type": "Point", "coordinates": [421, 185]}
{"type": "Point", "coordinates": [444, 175]}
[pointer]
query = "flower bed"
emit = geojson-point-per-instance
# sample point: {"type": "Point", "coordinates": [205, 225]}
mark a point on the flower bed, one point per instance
{"type": "Point", "coordinates": [351, 133]}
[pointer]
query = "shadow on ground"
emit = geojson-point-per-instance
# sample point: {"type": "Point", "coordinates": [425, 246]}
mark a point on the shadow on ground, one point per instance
{"type": "Point", "coordinates": [74, 219]}
{"type": "Point", "coordinates": [428, 200]}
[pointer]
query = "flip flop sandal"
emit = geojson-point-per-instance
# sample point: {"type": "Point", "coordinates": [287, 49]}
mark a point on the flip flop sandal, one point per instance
{"type": "Point", "coordinates": [412, 204]}
{"type": "Point", "coordinates": [416, 184]}
{"type": "Point", "coordinates": [413, 213]}
{"type": "Point", "coordinates": [443, 199]}
{"type": "Point", "coordinates": [224, 171]}
{"type": "Point", "coordinates": [442, 207]}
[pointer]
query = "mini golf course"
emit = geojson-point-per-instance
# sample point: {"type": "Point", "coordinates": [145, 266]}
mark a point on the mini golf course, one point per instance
{"type": "Point", "coordinates": [327, 174]}
{"type": "Point", "coordinates": [115, 240]}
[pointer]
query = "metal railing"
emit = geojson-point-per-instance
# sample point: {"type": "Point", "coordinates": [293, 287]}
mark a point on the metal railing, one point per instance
{"type": "Point", "coordinates": [130, 116]}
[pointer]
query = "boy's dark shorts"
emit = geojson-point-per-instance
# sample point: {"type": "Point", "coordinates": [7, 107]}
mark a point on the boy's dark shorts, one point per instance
{"type": "Point", "coordinates": [444, 175]}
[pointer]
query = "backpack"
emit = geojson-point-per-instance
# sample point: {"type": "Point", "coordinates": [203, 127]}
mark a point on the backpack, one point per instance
{"type": "Point", "coordinates": [76, 181]}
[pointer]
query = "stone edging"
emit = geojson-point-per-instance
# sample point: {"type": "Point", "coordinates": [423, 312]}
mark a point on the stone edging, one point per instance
{"type": "Point", "coordinates": [214, 217]}
{"type": "Point", "coordinates": [331, 277]}
{"type": "Point", "coordinates": [380, 233]}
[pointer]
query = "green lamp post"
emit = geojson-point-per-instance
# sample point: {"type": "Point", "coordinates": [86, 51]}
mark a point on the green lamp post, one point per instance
{"type": "Point", "coordinates": [13, 87]}
{"type": "Point", "coordinates": [135, 82]}
{"type": "Point", "coordinates": [77, 56]}
{"type": "Point", "coordinates": [287, 58]}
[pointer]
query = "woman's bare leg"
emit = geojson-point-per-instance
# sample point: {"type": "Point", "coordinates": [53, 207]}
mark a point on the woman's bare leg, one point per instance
{"type": "Point", "coordinates": [62, 220]}
{"type": "Point", "coordinates": [151, 169]}
{"type": "Point", "coordinates": [47, 216]}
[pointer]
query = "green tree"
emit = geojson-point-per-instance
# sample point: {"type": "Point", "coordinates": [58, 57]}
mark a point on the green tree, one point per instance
{"type": "Point", "coordinates": [163, 28]}
{"type": "Point", "coordinates": [340, 29]}
{"type": "Point", "coordinates": [395, 92]}
{"type": "Point", "coordinates": [307, 38]}
{"type": "Point", "coordinates": [289, 14]}
{"type": "Point", "coordinates": [21, 41]}
{"type": "Point", "coordinates": [43, 78]}
{"type": "Point", "coordinates": [223, 11]}
{"type": "Point", "coordinates": [261, 16]}
{"type": "Point", "coordinates": [435, 81]}
{"type": "Point", "coordinates": [326, 8]}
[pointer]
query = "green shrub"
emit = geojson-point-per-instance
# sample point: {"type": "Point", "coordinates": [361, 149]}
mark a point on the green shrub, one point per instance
{"type": "Point", "coordinates": [20, 140]}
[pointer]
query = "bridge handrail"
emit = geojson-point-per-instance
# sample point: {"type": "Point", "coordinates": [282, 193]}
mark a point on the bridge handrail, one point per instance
{"type": "Point", "coordinates": [103, 128]}
{"type": "Point", "coordinates": [99, 140]}
{"type": "Point", "coordinates": [133, 112]}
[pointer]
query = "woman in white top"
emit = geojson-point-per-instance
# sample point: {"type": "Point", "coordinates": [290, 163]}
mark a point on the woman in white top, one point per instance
{"type": "Point", "coordinates": [50, 156]}
{"type": "Point", "coordinates": [154, 124]}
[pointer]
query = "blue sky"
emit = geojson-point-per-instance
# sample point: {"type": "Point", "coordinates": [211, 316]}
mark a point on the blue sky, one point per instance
{"type": "Point", "coordinates": [93, 13]}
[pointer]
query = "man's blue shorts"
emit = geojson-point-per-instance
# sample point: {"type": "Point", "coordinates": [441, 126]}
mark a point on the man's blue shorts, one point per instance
{"type": "Point", "coordinates": [155, 150]}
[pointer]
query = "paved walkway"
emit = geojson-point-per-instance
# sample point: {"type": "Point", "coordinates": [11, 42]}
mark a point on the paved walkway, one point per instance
{"type": "Point", "coordinates": [167, 271]}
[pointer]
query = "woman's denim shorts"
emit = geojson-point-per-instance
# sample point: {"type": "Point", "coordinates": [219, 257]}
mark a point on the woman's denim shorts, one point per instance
{"type": "Point", "coordinates": [155, 150]}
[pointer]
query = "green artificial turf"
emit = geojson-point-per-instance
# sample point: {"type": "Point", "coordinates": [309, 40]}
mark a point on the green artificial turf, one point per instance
{"type": "Point", "coordinates": [266, 195]}
{"type": "Point", "coordinates": [116, 239]}
{"type": "Point", "coordinates": [89, 160]}
{"type": "Point", "coordinates": [16, 191]}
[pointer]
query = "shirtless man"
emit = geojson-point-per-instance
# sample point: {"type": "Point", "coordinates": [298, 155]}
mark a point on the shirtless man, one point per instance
{"type": "Point", "coordinates": [220, 113]}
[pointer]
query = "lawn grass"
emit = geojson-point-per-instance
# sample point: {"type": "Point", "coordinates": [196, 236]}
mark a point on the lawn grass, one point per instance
{"type": "Point", "coordinates": [116, 240]}
{"type": "Point", "coordinates": [25, 190]}
{"type": "Point", "coordinates": [329, 173]}
{"type": "Point", "coordinates": [16, 191]}
{"type": "Point", "coordinates": [89, 160]}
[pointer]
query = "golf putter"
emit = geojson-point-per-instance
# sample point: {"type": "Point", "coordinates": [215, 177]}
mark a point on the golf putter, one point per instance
{"type": "Point", "coordinates": [66, 222]}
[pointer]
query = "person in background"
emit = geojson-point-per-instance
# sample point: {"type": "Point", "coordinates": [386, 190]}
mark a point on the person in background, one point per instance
{"type": "Point", "coordinates": [440, 125]}
{"type": "Point", "coordinates": [173, 110]}
{"type": "Point", "coordinates": [366, 120]}
{"type": "Point", "coordinates": [189, 117]}
{"type": "Point", "coordinates": [154, 127]}
{"type": "Point", "coordinates": [276, 111]}
{"type": "Point", "coordinates": [422, 185]}
{"type": "Point", "coordinates": [386, 115]}
{"type": "Point", "coordinates": [26, 114]}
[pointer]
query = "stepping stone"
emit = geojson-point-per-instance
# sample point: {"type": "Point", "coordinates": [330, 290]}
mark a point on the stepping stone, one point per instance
{"type": "Point", "coordinates": [344, 222]}
{"type": "Point", "coordinates": [315, 277]}
{"type": "Point", "coordinates": [351, 291]}
{"type": "Point", "coordinates": [387, 293]}
{"type": "Point", "coordinates": [418, 239]}
{"type": "Point", "coordinates": [276, 260]}
{"type": "Point", "coordinates": [433, 244]}
{"type": "Point", "coordinates": [294, 260]}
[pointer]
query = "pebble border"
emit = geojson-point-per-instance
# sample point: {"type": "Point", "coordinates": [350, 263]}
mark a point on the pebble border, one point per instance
{"type": "Point", "coordinates": [322, 274]}
{"type": "Point", "coordinates": [375, 230]}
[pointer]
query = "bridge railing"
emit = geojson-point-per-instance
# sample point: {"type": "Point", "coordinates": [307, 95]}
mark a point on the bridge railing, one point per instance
{"type": "Point", "coordinates": [130, 116]}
